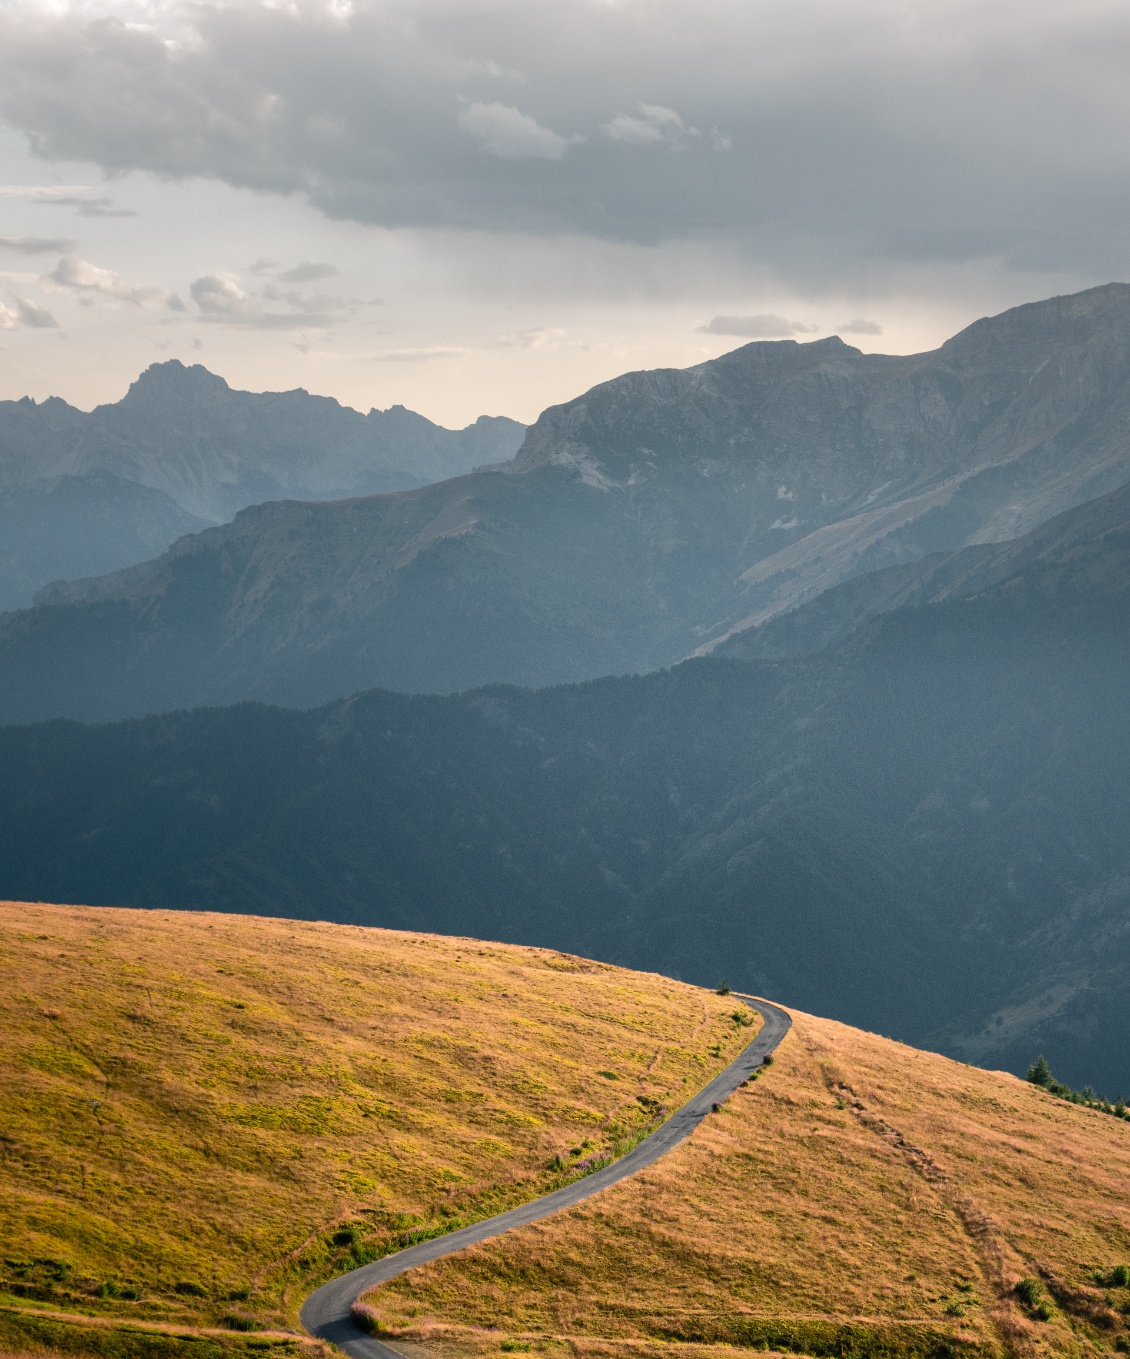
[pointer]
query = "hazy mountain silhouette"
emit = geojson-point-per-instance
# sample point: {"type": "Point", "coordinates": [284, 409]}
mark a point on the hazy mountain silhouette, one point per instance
{"type": "Point", "coordinates": [642, 522]}
{"type": "Point", "coordinates": [201, 452]}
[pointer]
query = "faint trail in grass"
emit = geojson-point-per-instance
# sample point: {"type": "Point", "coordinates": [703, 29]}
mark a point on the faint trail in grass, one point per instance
{"type": "Point", "coordinates": [327, 1311]}
{"type": "Point", "coordinates": [999, 1264]}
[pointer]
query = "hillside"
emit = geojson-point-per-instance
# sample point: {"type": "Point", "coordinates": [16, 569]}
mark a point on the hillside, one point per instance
{"type": "Point", "coordinates": [82, 494]}
{"type": "Point", "coordinates": [859, 1198]}
{"type": "Point", "coordinates": [59, 528]}
{"type": "Point", "coordinates": [203, 1116]}
{"type": "Point", "coordinates": [921, 831]}
{"type": "Point", "coordinates": [647, 519]}
{"type": "Point", "coordinates": [1078, 563]}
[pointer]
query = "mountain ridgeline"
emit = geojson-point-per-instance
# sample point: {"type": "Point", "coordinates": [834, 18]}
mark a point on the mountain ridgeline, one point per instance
{"type": "Point", "coordinates": [82, 494]}
{"type": "Point", "coordinates": [652, 518]}
{"type": "Point", "coordinates": [920, 830]}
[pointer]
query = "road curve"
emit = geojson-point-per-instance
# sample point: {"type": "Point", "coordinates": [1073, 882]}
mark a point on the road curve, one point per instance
{"type": "Point", "coordinates": [326, 1313]}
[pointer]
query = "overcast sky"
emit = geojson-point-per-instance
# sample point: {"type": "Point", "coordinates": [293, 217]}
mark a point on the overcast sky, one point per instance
{"type": "Point", "coordinates": [488, 205]}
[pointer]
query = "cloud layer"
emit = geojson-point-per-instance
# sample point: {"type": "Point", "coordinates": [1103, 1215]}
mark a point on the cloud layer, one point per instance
{"type": "Point", "coordinates": [812, 139]}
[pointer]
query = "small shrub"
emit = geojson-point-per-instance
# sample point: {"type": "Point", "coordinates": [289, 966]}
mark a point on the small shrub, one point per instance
{"type": "Point", "coordinates": [189, 1290]}
{"type": "Point", "coordinates": [366, 1318]}
{"type": "Point", "coordinates": [510, 1346]}
{"type": "Point", "coordinates": [954, 1309]}
{"type": "Point", "coordinates": [723, 988]}
{"type": "Point", "coordinates": [608, 1075]}
{"type": "Point", "coordinates": [1028, 1291]}
{"type": "Point", "coordinates": [1120, 1277]}
{"type": "Point", "coordinates": [1042, 1312]}
{"type": "Point", "coordinates": [239, 1295]}
{"type": "Point", "coordinates": [767, 1060]}
{"type": "Point", "coordinates": [236, 1321]}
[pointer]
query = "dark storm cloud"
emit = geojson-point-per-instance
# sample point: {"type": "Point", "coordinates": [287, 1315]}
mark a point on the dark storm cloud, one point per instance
{"type": "Point", "coordinates": [813, 138]}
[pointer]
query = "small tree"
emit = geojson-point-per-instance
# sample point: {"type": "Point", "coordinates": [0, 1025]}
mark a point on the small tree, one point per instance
{"type": "Point", "coordinates": [723, 987]}
{"type": "Point", "coordinates": [1039, 1073]}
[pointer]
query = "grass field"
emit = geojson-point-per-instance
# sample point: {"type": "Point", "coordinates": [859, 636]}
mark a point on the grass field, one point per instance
{"type": "Point", "coordinates": [204, 1115]}
{"type": "Point", "coordinates": [859, 1198]}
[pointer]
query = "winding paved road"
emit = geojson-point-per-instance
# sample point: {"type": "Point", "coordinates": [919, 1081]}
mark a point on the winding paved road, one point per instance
{"type": "Point", "coordinates": [326, 1311]}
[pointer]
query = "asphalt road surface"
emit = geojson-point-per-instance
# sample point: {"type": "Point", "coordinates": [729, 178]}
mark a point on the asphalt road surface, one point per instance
{"type": "Point", "coordinates": [326, 1311]}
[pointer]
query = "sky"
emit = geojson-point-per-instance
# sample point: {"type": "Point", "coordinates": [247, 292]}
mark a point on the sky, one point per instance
{"type": "Point", "coordinates": [486, 206]}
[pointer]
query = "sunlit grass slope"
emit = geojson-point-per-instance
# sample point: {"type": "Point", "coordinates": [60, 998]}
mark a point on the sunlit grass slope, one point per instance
{"type": "Point", "coordinates": [859, 1197]}
{"type": "Point", "coordinates": [204, 1115]}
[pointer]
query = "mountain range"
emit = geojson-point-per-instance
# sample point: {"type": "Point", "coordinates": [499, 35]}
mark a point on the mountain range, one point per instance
{"type": "Point", "coordinates": [660, 515]}
{"type": "Point", "coordinates": [921, 826]}
{"type": "Point", "coordinates": [82, 494]}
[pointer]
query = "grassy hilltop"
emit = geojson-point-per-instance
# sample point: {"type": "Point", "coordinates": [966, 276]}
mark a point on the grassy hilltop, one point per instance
{"type": "Point", "coordinates": [860, 1197]}
{"type": "Point", "coordinates": [205, 1115]}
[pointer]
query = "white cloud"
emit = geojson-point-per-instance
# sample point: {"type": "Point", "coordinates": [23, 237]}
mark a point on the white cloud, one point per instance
{"type": "Point", "coordinates": [766, 326]}
{"type": "Point", "coordinates": [657, 124]}
{"type": "Point", "coordinates": [220, 297]}
{"type": "Point", "coordinates": [85, 278]}
{"type": "Point", "coordinates": [222, 300]}
{"type": "Point", "coordinates": [511, 134]}
{"type": "Point", "coordinates": [25, 314]}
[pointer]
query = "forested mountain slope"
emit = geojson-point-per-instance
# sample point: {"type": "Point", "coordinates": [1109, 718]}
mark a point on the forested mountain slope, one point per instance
{"type": "Point", "coordinates": [921, 831]}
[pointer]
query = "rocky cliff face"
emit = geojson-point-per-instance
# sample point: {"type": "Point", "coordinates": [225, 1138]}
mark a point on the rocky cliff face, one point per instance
{"type": "Point", "coordinates": [654, 517]}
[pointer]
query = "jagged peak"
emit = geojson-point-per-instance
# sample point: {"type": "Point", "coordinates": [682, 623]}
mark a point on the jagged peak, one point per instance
{"type": "Point", "coordinates": [173, 373]}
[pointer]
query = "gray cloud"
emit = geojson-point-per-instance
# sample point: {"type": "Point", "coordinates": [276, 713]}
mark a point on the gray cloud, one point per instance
{"type": "Point", "coordinates": [860, 327]}
{"type": "Point", "coordinates": [511, 134]}
{"type": "Point", "coordinates": [37, 245]}
{"type": "Point", "coordinates": [307, 273]}
{"type": "Point", "coordinates": [86, 207]}
{"type": "Point", "coordinates": [853, 141]}
{"type": "Point", "coordinates": [764, 327]}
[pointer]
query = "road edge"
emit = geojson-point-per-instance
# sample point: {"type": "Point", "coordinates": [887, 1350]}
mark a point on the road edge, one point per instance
{"type": "Point", "coordinates": [326, 1312]}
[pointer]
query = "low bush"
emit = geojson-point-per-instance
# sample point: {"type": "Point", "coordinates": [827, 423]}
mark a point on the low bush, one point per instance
{"type": "Point", "coordinates": [1029, 1292]}
{"type": "Point", "coordinates": [237, 1321]}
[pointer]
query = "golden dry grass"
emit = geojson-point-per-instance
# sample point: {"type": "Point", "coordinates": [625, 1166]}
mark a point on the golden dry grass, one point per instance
{"type": "Point", "coordinates": [859, 1197]}
{"type": "Point", "coordinates": [192, 1105]}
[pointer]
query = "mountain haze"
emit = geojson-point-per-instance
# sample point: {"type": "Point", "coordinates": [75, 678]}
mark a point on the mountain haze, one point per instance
{"type": "Point", "coordinates": [200, 452]}
{"type": "Point", "coordinates": [649, 519]}
{"type": "Point", "coordinates": [922, 828]}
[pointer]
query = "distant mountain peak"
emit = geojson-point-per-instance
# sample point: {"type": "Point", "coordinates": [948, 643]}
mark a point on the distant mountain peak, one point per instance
{"type": "Point", "coordinates": [161, 380]}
